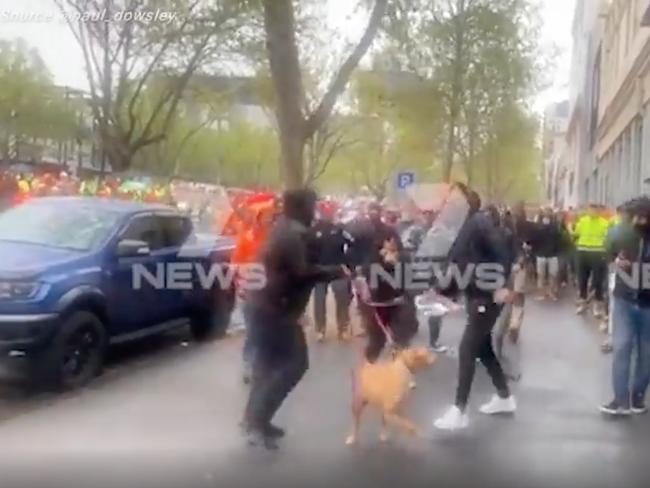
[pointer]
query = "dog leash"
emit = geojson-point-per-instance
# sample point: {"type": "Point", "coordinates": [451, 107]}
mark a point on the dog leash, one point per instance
{"type": "Point", "coordinates": [363, 293]}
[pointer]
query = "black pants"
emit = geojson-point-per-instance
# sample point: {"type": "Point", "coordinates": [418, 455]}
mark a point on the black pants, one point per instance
{"type": "Point", "coordinates": [280, 362]}
{"type": "Point", "coordinates": [591, 265]}
{"type": "Point", "coordinates": [477, 343]}
{"type": "Point", "coordinates": [435, 324]}
{"type": "Point", "coordinates": [342, 297]}
{"type": "Point", "coordinates": [400, 320]}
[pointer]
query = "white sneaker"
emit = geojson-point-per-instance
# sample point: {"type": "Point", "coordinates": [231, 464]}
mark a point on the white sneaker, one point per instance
{"type": "Point", "coordinates": [453, 419]}
{"type": "Point", "coordinates": [499, 405]}
{"type": "Point", "coordinates": [439, 348]}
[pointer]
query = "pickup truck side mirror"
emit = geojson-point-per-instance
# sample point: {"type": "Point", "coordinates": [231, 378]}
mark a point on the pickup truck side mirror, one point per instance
{"type": "Point", "coordinates": [130, 248]}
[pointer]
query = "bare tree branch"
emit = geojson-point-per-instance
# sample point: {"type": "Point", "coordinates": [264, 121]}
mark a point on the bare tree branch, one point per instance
{"type": "Point", "coordinates": [337, 85]}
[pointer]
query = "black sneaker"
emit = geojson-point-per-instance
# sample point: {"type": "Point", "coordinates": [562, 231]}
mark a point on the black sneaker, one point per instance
{"type": "Point", "coordinates": [638, 406]}
{"type": "Point", "coordinates": [258, 438]}
{"type": "Point", "coordinates": [274, 431]}
{"type": "Point", "coordinates": [614, 408]}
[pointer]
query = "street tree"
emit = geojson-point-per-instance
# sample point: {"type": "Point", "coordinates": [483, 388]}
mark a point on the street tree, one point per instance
{"type": "Point", "coordinates": [202, 107]}
{"type": "Point", "coordinates": [329, 140]}
{"type": "Point", "coordinates": [510, 158]}
{"type": "Point", "coordinates": [296, 121]}
{"type": "Point", "coordinates": [31, 107]}
{"type": "Point", "coordinates": [477, 54]}
{"type": "Point", "coordinates": [390, 125]}
{"type": "Point", "coordinates": [123, 56]}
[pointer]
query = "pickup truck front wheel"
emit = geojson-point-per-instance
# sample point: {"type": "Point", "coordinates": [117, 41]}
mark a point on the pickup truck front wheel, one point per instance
{"type": "Point", "coordinates": [76, 355]}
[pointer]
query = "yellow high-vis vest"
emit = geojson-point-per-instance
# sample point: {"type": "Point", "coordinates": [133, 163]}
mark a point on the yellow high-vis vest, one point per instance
{"type": "Point", "coordinates": [591, 233]}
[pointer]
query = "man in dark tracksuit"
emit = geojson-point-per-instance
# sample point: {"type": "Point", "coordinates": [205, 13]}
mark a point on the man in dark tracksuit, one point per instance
{"type": "Point", "coordinates": [397, 311]}
{"type": "Point", "coordinates": [329, 242]}
{"type": "Point", "coordinates": [547, 246]}
{"type": "Point", "coordinates": [275, 310]}
{"type": "Point", "coordinates": [480, 242]}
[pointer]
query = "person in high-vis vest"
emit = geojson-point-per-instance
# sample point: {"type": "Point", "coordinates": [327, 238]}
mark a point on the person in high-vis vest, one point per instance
{"type": "Point", "coordinates": [590, 233]}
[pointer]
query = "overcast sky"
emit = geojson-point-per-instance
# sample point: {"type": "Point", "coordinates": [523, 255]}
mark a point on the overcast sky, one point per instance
{"type": "Point", "coordinates": [45, 30]}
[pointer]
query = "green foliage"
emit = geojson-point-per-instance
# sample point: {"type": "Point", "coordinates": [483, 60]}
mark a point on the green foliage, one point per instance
{"type": "Point", "coordinates": [510, 161]}
{"type": "Point", "coordinates": [448, 95]}
{"type": "Point", "coordinates": [482, 59]}
{"type": "Point", "coordinates": [30, 105]}
{"type": "Point", "coordinates": [395, 127]}
{"type": "Point", "coordinates": [240, 155]}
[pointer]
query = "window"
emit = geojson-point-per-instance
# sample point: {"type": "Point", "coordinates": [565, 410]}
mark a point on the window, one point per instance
{"type": "Point", "coordinates": [147, 229]}
{"type": "Point", "coordinates": [176, 230]}
{"type": "Point", "coordinates": [75, 227]}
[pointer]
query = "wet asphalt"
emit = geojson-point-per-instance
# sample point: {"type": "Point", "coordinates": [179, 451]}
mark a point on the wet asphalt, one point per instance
{"type": "Point", "coordinates": [165, 413]}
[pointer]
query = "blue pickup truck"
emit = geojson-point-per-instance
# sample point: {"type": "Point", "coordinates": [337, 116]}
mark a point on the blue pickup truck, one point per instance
{"type": "Point", "coordinates": [80, 274]}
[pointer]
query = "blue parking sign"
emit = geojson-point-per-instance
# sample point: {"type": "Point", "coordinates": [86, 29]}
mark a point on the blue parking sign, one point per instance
{"type": "Point", "coordinates": [405, 179]}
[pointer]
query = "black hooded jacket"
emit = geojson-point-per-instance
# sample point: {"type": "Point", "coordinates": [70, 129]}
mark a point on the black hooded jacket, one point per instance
{"type": "Point", "coordinates": [548, 240]}
{"type": "Point", "coordinates": [290, 273]}
{"type": "Point", "coordinates": [482, 241]}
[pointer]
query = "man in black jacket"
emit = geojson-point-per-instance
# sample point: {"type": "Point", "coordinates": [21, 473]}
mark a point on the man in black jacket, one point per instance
{"type": "Point", "coordinates": [330, 242]}
{"type": "Point", "coordinates": [631, 308]}
{"type": "Point", "coordinates": [482, 247]}
{"type": "Point", "coordinates": [547, 246]}
{"type": "Point", "coordinates": [391, 304]}
{"type": "Point", "coordinates": [281, 357]}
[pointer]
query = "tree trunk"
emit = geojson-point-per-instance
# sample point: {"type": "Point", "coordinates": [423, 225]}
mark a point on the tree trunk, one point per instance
{"type": "Point", "coordinates": [280, 26]}
{"type": "Point", "coordinates": [294, 127]}
{"type": "Point", "coordinates": [456, 89]}
{"type": "Point", "coordinates": [471, 143]}
{"type": "Point", "coordinates": [449, 155]}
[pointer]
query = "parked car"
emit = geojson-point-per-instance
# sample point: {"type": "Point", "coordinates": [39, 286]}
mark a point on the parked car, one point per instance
{"type": "Point", "coordinates": [78, 275]}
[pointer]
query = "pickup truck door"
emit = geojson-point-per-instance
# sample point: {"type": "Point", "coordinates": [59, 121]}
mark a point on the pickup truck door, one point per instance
{"type": "Point", "coordinates": [134, 299]}
{"type": "Point", "coordinates": [174, 300]}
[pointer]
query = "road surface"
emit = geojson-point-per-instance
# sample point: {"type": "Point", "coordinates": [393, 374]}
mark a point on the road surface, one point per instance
{"type": "Point", "coordinates": [166, 414]}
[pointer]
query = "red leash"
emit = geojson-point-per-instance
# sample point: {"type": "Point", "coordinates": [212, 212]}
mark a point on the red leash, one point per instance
{"type": "Point", "coordinates": [363, 294]}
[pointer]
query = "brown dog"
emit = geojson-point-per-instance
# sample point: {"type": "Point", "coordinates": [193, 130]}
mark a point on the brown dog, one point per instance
{"type": "Point", "coordinates": [385, 385]}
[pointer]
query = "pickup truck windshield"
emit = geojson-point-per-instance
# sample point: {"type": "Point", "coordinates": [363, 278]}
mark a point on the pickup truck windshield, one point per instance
{"type": "Point", "coordinates": [80, 228]}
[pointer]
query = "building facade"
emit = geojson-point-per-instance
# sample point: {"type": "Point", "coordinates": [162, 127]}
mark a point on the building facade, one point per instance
{"type": "Point", "coordinates": [622, 71]}
{"type": "Point", "coordinates": [556, 117]}
{"type": "Point", "coordinates": [584, 93]}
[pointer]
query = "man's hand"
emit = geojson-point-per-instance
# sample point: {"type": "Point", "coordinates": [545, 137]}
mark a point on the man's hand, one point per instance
{"type": "Point", "coordinates": [347, 271]}
{"type": "Point", "coordinates": [513, 335]}
{"type": "Point", "coordinates": [503, 295]}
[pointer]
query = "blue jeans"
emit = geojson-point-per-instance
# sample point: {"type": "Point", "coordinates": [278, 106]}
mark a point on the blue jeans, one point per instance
{"type": "Point", "coordinates": [631, 333]}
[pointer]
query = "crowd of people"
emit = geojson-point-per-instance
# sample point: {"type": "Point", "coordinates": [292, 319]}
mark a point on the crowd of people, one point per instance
{"type": "Point", "coordinates": [549, 253]}
{"type": "Point", "coordinates": [16, 188]}
{"type": "Point", "coordinates": [310, 246]}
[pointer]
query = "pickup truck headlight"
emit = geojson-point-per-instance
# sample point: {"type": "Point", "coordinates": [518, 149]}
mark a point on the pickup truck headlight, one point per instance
{"type": "Point", "coordinates": [18, 290]}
